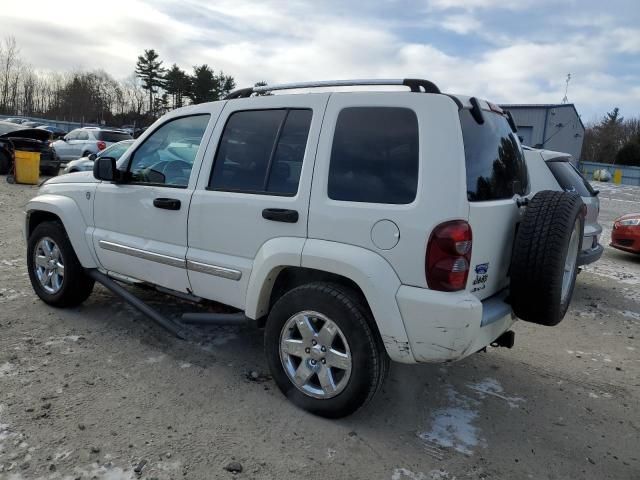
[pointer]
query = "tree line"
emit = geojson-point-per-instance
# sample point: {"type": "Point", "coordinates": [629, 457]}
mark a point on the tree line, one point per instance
{"type": "Point", "coordinates": [96, 97]}
{"type": "Point", "coordinates": [613, 139]}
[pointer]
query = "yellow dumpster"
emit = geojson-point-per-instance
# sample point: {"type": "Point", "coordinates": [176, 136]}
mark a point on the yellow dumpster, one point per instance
{"type": "Point", "coordinates": [27, 167]}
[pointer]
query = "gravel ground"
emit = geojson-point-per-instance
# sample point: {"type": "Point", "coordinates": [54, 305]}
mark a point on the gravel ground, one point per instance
{"type": "Point", "coordinates": [100, 392]}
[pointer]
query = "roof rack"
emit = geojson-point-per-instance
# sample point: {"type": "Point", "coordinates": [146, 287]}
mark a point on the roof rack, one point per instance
{"type": "Point", "coordinates": [415, 84]}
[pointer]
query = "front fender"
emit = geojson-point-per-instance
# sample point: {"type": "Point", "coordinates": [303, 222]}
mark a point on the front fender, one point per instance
{"type": "Point", "coordinates": [71, 216]}
{"type": "Point", "coordinates": [377, 280]}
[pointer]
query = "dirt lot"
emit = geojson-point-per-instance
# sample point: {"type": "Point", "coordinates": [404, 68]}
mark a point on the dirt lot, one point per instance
{"type": "Point", "coordinates": [99, 392]}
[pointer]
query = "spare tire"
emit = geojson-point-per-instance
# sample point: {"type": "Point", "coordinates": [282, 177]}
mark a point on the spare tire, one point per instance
{"type": "Point", "coordinates": [544, 261]}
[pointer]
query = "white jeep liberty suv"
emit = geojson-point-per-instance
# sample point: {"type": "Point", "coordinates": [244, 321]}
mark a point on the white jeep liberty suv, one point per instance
{"type": "Point", "coordinates": [355, 226]}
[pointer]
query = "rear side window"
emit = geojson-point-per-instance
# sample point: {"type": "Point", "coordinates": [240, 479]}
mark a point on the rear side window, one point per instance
{"type": "Point", "coordinates": [494, 160]}
{"type": "Point", "coordinates": [374, 157]}
{"type": "Point", "coordinates": [261, 151]}
{"type": "Point", "coordinates": [81, 135]}
{"type": "Point", "coordinates": [112, 136]}
{"type": "Point", "coordinates": [569, 178]}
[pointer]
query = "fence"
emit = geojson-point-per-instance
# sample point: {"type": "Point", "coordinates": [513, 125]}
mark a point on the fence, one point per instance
{"type": "Point", "coordinates": [63, 124]}
{"type": "Point", "coordinates": [619, 173]}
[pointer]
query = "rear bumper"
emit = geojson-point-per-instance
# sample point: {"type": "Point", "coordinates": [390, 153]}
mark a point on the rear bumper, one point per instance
{"type": "Point", "coordinates": [449, 326]}
{"type": "Point", "coordinates": [589, 256]}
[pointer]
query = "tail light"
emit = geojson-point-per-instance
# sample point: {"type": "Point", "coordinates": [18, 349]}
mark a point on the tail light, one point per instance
{"type": "Point", "coordinates": [448, 256]}
{"type": "Point", "coordinates": [101, 145]}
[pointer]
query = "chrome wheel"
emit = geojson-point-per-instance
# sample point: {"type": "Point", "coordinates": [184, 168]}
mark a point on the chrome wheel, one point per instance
{"type": "Point", "coordinates": [48, 265]}
{"type": "Point", "coordinates": [315, 355]}
{"type": "Point", "coordinates": [570, 261]}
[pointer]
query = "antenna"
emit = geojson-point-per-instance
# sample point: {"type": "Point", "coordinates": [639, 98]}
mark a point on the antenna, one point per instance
{"type": "Point", "coordinates": [566, 89]}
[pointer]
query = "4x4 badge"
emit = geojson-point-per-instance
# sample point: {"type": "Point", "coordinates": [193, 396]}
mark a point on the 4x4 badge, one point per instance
{"type": "Point", "coordinates": [482, 268]}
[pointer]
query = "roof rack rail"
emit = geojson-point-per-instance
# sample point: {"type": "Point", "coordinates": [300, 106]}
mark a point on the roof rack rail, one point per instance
{"type": "Point", "coordinates": [415, 84]}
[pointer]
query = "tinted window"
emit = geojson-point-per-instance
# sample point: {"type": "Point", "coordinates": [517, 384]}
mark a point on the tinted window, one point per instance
{"type": "Point", "coordinates": [261, 151]}
{"type": "Point", "coordinates": [495, 163]}
{"type": "Point", "coordinates": [112, 136]}
{"type": "Point", "coordinates": [570, 179]}
{"type": "Point", "coordinates": [166, 157]}
{"type": "Point", "coordinates": [374, 157]}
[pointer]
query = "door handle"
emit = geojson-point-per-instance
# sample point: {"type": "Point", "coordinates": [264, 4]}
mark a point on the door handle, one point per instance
{"type": "Point", "coordinates": [167, 203]}
{"type": "Point", "coordinates": [280, 215]}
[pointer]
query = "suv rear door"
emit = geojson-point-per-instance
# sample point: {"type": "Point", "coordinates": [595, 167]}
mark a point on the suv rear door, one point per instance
{"type": "Point", "coordinates": [253, 187]}
{"type": "Point", "coordinates": [496, 177]}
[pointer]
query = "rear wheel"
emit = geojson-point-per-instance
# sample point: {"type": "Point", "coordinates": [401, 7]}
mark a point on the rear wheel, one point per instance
{"type": "Point", "coordinates": [56, 275]}
{"type": "Point", "coordinates": [545, 257]}
{"type": "Point", "coordinates": [322, 352]}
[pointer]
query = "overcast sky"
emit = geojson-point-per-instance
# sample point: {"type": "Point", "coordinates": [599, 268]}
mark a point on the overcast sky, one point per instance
{"type": "Point", "coordinates": [511, 51]}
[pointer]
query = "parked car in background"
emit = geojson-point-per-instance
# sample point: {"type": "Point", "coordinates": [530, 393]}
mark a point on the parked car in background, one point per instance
{"type": "Point", "coordinates": [16, 120]}
{"type": "Point", "coordinates": [549, 170]}
{"type": "Point", "coordinates": [82, 142]}
{"type": "Point", "coordinates": [86, 163]}
{"type": "Point", "coordinates": [626, 233]}
{"type": "Point", "coordinates": [56, 132]}
{"type": "Point", "coordinates": [16, 137]}
{"type": "Point", "coordinates": [31, 124]}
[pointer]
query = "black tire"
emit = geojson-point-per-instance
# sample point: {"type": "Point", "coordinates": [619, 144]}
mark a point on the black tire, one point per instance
{"type": "Point", "coordinates": [76, 286]}
{"type": "Point", "coordinates": [539, 257]}
{"type": "Point", "coordinates": [5, 163]}
{"type": "Point", "coordinates": [370, 362]}
{"type": "Point", "coordinates": [86, 153]}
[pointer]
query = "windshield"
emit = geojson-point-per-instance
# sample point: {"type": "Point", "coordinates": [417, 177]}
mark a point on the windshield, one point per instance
{"type": "Point", "coordinates": [117, 150]}
{"type": "Point", "coordinates": [494, 160]}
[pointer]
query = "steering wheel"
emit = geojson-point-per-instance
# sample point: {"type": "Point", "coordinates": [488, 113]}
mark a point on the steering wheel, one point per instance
{"type": "Point", "coordinates": [173, 172]}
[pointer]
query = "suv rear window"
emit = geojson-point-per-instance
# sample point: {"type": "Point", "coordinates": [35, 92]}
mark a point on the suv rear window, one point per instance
{"type": "Point", "coordinates": [374, 157]}
{"type": "Point", "coordinates": [495, 163]}
{"type": "Point", "coordinates": [112, 136]}
{"type": "Point", "coordinates": [570, 178]}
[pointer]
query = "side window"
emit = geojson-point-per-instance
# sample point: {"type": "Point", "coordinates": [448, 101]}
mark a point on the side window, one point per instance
{"type": "Point", "coordinates": [72, 136]}
{"type": "Point", "coordinates": [81, 135]}
{"type": "Point", "coordinates": [374, 157]}
{"type": "Point", "coordinates": [166, 157]}
{"type": "Point", "coordinates": [261, 151]}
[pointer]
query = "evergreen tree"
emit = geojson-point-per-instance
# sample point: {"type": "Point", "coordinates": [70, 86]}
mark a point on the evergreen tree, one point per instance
{"type": "Point", "coordinates": [149, 70]}
{"type": "Point", "coordinates": [177, 84]}
{"type": "Point", "coordinates": [206, 86]}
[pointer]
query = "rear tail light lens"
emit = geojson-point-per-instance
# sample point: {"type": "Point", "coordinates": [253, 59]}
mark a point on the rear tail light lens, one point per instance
{"type": "Point", "coordinates": [101, 145]}
{"type": "Point", "coordinates": [449, 256]}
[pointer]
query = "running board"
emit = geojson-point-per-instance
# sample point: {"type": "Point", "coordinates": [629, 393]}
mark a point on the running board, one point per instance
{"type": "Point", "coordinates": [166, 323]}
{"type": "Point", "coordinates": [215, 318]}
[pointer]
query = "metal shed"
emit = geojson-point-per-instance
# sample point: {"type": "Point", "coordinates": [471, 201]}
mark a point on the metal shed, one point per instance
{"type": "Point", "coordinates": [550, 126]}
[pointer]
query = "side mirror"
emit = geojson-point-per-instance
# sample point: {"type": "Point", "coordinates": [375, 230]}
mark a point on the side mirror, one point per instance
{"type": "Point", "coordinates": [104, 168]}
{"type": "Point", "coordinates": [92, 157]}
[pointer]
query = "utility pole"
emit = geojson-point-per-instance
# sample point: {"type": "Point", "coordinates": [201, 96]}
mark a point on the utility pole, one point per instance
{"type": "Point", "coordinates": [566, 89]}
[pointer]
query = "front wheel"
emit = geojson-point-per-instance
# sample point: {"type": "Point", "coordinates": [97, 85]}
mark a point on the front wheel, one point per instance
{"type": "Point", "coordinates": [55, 272]}
{"type": "Point", "coordinates": [322, 352]}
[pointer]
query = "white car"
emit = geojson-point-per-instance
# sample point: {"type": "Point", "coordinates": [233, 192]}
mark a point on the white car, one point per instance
{"type": "Point", "coordinates": [82, 142]}
{"type": "Point", "coordinates": [549, 170]}
{"type": "Point", "coordinates": [356, 227]}
{"type": "Point", "coordinates": [85, 164]}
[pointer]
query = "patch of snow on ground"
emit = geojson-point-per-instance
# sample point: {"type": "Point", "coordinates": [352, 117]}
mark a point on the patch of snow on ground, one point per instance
{"type": "Point", "coordinates": [490, 386]}
{"type": "Point", "coordinates": [405, 473]}
{"type": "Point", "coordinates": [6, 369]}
{"type": "Point", "coordinates": [452, 427]}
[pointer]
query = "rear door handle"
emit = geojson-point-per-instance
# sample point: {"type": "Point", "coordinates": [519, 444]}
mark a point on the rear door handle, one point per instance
{"type": "Point", "coordinates": [167, 203]}
{"type": "Point", "coordinates": [280, 215]}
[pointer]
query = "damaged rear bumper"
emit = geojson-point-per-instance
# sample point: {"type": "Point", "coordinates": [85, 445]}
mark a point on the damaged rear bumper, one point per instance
{"type": "Point", "coordinates": [449, 326]}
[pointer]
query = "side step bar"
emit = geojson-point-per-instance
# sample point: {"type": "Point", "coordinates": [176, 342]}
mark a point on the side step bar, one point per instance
{"type": "Point", "coordinates": [177, 329]}
{"type": "Point", "coordinates": [169, 325]}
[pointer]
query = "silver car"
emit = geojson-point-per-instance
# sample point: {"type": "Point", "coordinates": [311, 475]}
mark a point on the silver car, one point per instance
{"type": "Point", "coordinates": [550, 170]}
{"type": "Point", "coordinates": [86, 163]}
{"type": "Point", "coordinates": [82, 142]}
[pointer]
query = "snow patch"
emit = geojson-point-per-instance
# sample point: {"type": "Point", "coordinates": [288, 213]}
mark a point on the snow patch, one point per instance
{"type": "Point", "coordinates": [405, 473]}
{"type": "Point", "coordinates": [490, 386]}
{"type": "Point", "coordinates": [452, 427]}
{"type": "Point", "coordinates": [6, 369]}
{"type": "Point", "coordinates": [156, 359]}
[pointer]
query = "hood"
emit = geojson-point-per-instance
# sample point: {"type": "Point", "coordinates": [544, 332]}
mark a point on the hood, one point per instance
{"type": "Point", "coordinates": [76, 177]}
{"type": "Point", "coordinates": [32, 133]}
{"type": "Point", "coordinates": [627, 216]}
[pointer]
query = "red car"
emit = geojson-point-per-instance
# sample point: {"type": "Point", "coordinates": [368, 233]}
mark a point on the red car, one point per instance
{"type": "Point", "coordinates": [626, 233]}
